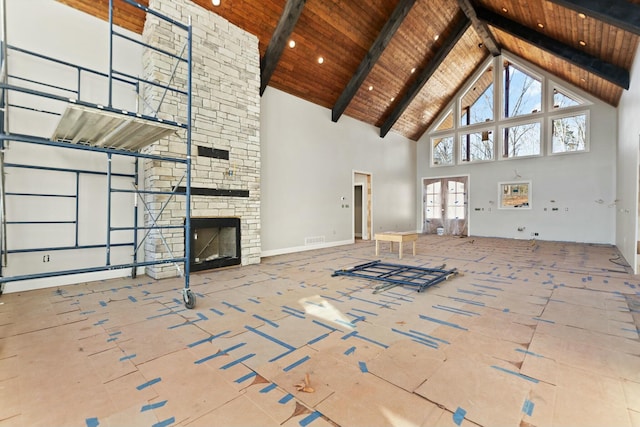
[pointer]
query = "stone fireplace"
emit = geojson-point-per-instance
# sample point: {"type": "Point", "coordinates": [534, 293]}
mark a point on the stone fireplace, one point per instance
{"type": "Point", "coordinates": [225, 149]}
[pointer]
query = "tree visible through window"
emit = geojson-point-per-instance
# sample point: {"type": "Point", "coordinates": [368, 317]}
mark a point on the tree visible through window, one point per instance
{"type": "Point", "coordinates": [443, 150]}
{"type": "Point", "coordinates": [476, 105]}
{"type": "Point", "coordinates": [522, 140]}
{"type": "Point", "coordinates": [476, 146]}
{"type": "Point", "coordinates": [569, 134]}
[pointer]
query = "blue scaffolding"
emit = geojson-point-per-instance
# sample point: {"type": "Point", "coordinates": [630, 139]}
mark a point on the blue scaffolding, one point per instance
{"type": "Point", "coordinates": [109, 131]}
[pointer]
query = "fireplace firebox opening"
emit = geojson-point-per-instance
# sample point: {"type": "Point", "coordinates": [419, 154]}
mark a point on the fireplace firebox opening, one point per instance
{"type": "Point", "coordinates": [215, 243]}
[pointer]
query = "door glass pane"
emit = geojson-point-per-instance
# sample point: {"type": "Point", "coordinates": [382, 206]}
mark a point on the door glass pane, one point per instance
{"type": "Point", "coordinates": [433, 201]}
{"type": "Point", "coordinates": [455, 200]}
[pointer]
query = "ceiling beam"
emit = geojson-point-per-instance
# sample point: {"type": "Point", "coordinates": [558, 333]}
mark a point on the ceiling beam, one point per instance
{"type": "Point", "coordinates": [462, 24]}
{"type": "Point", "coordinates": [286, 24]}
{"type": "Point", "coordinates": [610, 72]}
{"type": "Point", "coordinates": [386, 34]}
{"type": "Point", "coordinates": [481, 28]}
{"type": "Point", "coordinates": [619, 13]}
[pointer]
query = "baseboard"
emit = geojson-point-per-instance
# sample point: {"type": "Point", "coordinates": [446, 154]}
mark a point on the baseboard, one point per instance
{"type": "Point", "coordinates": [295, 249]}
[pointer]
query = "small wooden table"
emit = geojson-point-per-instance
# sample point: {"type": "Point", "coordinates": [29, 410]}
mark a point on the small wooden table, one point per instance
{"type": "Point", "coordinates": [395, 236]}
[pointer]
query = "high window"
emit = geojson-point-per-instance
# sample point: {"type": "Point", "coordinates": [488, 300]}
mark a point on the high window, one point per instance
{"type": "Point", "coordinates": [476, 105]}
{"type": "Point", "coordinates": [442, 149]}
{"type": "Point", "coordinates": [569, 133]}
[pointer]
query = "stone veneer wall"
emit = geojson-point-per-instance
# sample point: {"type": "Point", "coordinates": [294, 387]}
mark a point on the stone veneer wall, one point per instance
{"type": "Point", "coordinates": [226, 116]}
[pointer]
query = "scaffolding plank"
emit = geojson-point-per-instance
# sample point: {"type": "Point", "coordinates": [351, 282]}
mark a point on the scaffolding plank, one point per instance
{"type": "Point", "coordinates": [101, 128]}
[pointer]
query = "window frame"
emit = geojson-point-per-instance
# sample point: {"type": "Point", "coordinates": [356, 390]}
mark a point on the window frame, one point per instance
{"type": "Point", "coordinates": [569, 112]}
{"type": "Point", "coordinates": [501, 205]}
{"type": "Point", "coordinates": [514, 123]}
{"type": "Point", "coordinates": [476, 129]}
{"type": "Point", "coordinates": [453, 154]}
{"type": "Point", "coordinates": [460, 96]}
{"type": "Point", "coordinates": [532, 74]}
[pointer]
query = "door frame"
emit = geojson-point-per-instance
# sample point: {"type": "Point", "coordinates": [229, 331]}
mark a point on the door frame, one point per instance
{"type": "Point", "coordinates": [462, 175]}
{"type": "Point", "coordinates": [367, 204]}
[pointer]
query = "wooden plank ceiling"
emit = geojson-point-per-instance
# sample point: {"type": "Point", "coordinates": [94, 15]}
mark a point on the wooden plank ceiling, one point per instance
{"type": "Point", "coordinates": [396, 64]}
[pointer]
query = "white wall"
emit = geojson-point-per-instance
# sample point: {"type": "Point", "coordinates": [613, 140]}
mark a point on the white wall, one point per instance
{"type": "Point", "coordinates": [55, 30]}
{"type": "Point", "coordinates": [308, 163]}
{"type": "Point", "coordinates": [627, 167]}
{"type": "Point", "coordinates": [574, 182]}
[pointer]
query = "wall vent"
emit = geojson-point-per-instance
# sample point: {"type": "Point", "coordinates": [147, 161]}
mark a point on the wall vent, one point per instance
{"type": "Point", "coordinates": [315, 240]}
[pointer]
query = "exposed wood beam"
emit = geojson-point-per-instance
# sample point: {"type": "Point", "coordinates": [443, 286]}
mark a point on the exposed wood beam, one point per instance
{"type": "Point", "coordinates": [480, 27]}
{"type": "Point", "coordinates": [610, 72]}
{"type": "Point", "coordinates": [462, 24]}
{"type": "Point", "coordinates": [619, 13]}
{"type": "Point", "coordinates": [383, 39]}
{"type": "Point", "coordinates": [286, 24]}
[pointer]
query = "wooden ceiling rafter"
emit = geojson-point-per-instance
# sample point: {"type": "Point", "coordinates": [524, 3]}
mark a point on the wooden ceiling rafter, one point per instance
{"type": "Point", "coordinates": [610, 72]}
{"type": "Point", "coordinates": [286, 24]}
{"type": "Point", "coordinates": [619, 13]}
{"type": "Point", "coordinates": [461, 25]}
{"type": "Point", "coordinates": [370, 59]}
{"type": "Point", "coordinates": [481, 28]}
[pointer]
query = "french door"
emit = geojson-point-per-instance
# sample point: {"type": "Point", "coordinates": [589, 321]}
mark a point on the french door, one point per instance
{"type": "Point", "coordinates": [445, 205]}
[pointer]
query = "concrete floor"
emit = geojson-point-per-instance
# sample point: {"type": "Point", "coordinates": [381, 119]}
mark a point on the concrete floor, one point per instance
{"type": "Point", "coordinates": [530, 334]}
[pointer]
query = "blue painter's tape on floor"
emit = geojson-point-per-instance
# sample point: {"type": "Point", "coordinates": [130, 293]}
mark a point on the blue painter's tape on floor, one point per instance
{"type": "Point", "coordinates": [245, 377]}
{"type": "Point", "coordinates": [149, 383]}
{"type": "Point", "coordinates": [298, 363]}
{"type": "Point", "coordinates": [210, 339]}
{"type": "Point", "coordinates": [543, 320]}
{"type": "Point", "coordinates": [103, 304]}
{"type": "Point", "coordinates": [267, 321]}
{"type": "Point", "coordinates": [132, 299]}
{"type": "Point", "coordinates": [269, 388]}
{"type": "Point", "coordinates": [131, 356]}
{"type": "Point", "coordinates": [153, 406]}
{"type": "Point", "coordinates": [458, 416]}
{"type": "Point", "coordinates": [371, 340]}
{"type": "Point", "coordinates": [320, 338]}
{"type": "Point", "coordinates": [310, 418]}
{"type": "Point", "coordinates": [293, 313]}
{"type": "Point", "coordinates": [92, 422]}
{"type": "Point", "coordinates": [530, 353]}
{"type": "Point", "coordinates": [442, 322]}
{"type": "Point", "coordinates": [528, 406]}
{"type": "Point", "coordinates": [235, 307]}
{"type": "Point", "coordinates": [324, 325]}
{"type": "Point", "coordinates": [363, 367]}
{"type": "Point", "coordinates": [165, 423]}
{"type": "Point", "coordinates": [237, 361]}
{"type": "Point", "coordinates": [270, 338]}
{"type": "Point", "coordinates": [285, 399]}
{"type": "Point", "coordinates": [517, 374]}
{"type": "Point", "coordinates": [350, 351]}
{"type": "Point", "coordinates": [218, 312]}
{"type": "Point", "coordinates": [202, 316]}
{"type": "Point", "coordinates": [364, 311]}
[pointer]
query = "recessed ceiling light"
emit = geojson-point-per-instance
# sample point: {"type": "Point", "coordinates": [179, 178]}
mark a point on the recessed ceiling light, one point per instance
{"type": "Point", "coordinates": [583, 80]}
{"type": "Point", "coordinates": [582, 15]}
{"type": "Point", "coordinates": [436, 37]}
{"type": "Point", "coordinates": [292, 44]}
{"type": "Point", "coordinates": [413, 70]}
{"type": "Point", "coordinates": [582, 43]}
{"type": "Point", "coordinates": [370, 87]}
{"type": "Point", "coordinates": [540, 25]}
{"type": "Point", "coordinates": [215, 2]}
{"type": "Point", "coordinates": [320, 60]}
{"type": "Point", "coordinates": [505, 10]}
{"type": "Point", "coordinates": [393, 98]}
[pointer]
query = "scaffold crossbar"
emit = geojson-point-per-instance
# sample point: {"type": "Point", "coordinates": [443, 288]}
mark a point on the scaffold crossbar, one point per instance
{"type": "Point", "coordinates": [398, 275]}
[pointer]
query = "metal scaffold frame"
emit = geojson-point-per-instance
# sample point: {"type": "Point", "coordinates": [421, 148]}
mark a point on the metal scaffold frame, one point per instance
{"type": "Point", "coordinates": [106, 130]}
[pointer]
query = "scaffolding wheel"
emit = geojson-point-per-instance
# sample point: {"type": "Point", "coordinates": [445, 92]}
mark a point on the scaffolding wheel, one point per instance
{"type": "Point", "coordinates": [189, 298]}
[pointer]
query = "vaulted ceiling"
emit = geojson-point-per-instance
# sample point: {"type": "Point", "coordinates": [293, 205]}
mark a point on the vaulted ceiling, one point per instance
{"type": "Point", "coordinates": [396, 64]}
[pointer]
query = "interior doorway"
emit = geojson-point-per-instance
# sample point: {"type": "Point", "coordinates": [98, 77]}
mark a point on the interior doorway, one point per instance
{"type": "Point", "coordinates": [362, 206]}
{"type": "Point", "coordinates": [445, 205]}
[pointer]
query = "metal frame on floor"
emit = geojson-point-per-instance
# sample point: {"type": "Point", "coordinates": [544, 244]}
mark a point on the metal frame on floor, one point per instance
{"type": "Point", "coordinates": [398, 275]}
{"type": "Point", "coordinates": [103, 129]}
